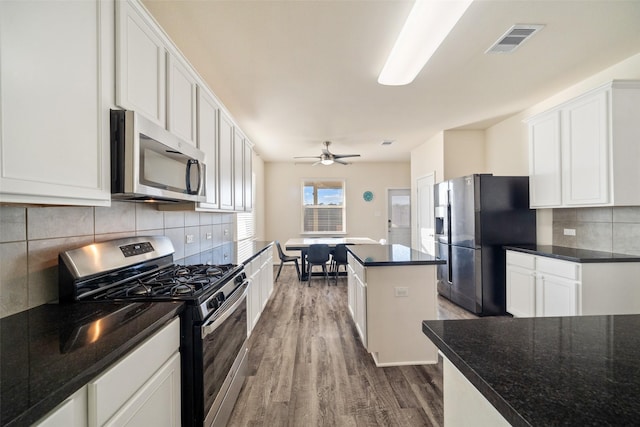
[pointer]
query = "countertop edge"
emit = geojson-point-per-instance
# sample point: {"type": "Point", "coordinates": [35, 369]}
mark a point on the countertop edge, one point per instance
{"type": "Point", "coordinates": [392, 263]}
{"type": "Point", "coordinates": [581, 260]}
{"type": "Point", "coordinates": [267, 244]}
{"type": "Point", "coordinates": [497, 401]}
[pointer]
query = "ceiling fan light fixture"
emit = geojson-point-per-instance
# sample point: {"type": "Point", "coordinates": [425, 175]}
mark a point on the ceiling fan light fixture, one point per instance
{"type": "Point", "coordinates": [426, 27]}
{"type": "Point", "coordinates": [326, 161]}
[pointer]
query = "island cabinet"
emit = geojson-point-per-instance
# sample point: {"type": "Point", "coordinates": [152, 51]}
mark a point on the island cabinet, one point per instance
{"type": "Point", "coordinates": [584, 152]}
{"type": "Point", "coordinates": [389, 296]}
{"type": "Point", "coordinates": [539, 285]}
{"type": "Point", "coordinates": [57, 86]}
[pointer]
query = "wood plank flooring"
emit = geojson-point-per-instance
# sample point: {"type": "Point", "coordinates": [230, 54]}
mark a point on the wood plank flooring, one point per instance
{"type": "Point", "coordinates": [307, 367]}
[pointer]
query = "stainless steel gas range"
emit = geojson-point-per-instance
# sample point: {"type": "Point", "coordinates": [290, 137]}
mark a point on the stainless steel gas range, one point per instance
{"type": "Point", "coordinates": [213, 326]}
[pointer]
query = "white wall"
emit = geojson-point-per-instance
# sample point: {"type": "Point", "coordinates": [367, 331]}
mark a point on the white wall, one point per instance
{"type": "Point", "coordinates": [464, 153]}
{"type": "Point", "coordinates": [364, 219]}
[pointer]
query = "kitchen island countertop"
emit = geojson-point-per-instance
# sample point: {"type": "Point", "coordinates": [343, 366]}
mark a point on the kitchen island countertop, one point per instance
{"type": "Point", "coordinates": [391, 255]}
{"type": "Point", "coordinates": [549, 371]}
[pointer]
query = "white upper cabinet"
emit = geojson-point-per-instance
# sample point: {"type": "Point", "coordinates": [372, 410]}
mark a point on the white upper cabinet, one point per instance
{"type": "Point", "coordinates": [225, 161]}
{"type": "Point", "coordinates": [56, 89]}
{"type": "Point", "coordinates": [238, 170]}
{"type": "Point", "coordinates": [208, 143]}
{"type": "Point", "coordinates": [248, 176]}
{"type": "Point", "coordinates": [545, 182]}
{"type": "Point", "coordinates": [585, 151]}
{"type": "Point", "coordinates": [585, 156]}
{"type": "Point", "coordinates": [181, 100]}
{"type": "Point", "coordinates": [140, 63]}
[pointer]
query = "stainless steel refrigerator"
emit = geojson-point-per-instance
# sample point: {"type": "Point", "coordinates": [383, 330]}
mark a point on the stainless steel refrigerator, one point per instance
{"type": "Point", "coordinates": [475, 216]}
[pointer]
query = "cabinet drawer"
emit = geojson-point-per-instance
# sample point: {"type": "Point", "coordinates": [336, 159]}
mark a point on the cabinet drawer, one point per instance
{"type": "Point", "coordinates": [566, 269]}
{"type": "Point", "coordinates": [521, 260]}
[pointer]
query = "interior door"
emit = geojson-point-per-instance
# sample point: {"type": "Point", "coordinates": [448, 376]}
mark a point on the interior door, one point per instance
{"type": "Point", "coordinates": [425, 215]}
{"type": "Point", "coordinates": [399, 217]}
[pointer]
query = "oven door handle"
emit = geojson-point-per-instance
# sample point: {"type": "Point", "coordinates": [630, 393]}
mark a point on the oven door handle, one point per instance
{"type": "Point", "coordinates": [214, 324]}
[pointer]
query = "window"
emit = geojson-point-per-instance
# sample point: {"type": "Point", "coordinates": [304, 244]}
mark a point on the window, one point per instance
{"type": "Point", "coordinates": [323, 207]}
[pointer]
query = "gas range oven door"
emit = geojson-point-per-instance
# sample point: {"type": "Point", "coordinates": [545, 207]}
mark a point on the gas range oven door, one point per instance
{"type": "Point", "coordinates": [224, 357]}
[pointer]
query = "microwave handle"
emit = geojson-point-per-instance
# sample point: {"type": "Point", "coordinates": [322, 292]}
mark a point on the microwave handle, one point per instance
{"type": "Point", "coordinates": [190, 163]}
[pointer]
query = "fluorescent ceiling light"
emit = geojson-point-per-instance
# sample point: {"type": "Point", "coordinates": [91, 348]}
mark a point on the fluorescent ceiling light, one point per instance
{"type": "Point", "coordinates": [429, 22]}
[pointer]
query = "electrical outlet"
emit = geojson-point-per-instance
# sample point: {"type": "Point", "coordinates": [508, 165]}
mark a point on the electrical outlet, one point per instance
{"type": "Point", "coordinates": [569, 231]}
{"type": "Point", "coordinates": [188, 238]}
{"type": "Point", "coordinates": [401, 291]}
{"type": "Point", "coordinates": [208, 236]}
{"type": "Point", "coordinates": [226, 231]}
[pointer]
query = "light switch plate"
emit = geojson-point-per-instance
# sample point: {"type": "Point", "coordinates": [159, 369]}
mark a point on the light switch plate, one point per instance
{"type": "Point", "coordinates": [189, 238]}
{"type": "Point", "coordinates": [569, 231]}
{"type": "Point", "coordinates": [401, 291]}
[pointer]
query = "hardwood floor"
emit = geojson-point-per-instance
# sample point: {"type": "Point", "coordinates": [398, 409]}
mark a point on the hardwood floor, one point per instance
{"type": "Point", "coordinates": [308, 367]}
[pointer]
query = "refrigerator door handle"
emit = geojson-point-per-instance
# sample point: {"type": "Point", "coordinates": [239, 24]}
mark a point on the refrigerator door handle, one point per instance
{"type": "Point", "coordinates": [449, 266]}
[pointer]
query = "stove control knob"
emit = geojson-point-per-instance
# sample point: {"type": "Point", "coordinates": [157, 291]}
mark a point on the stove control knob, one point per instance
{"type": "Point", "coordinates": [216, 301]}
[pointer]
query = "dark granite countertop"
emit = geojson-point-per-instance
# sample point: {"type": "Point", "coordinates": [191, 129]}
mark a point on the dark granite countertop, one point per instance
{"type": "Point", "coordinates": [228, 253]}
{"type": "Point", "coordinates": [47, 353]}
{"type": "Point", "coordinates": [550, 371]}
{"type": "Point", "coordinates": [573, 254]}
{"type": "Point", "coordinates": [390, 255]}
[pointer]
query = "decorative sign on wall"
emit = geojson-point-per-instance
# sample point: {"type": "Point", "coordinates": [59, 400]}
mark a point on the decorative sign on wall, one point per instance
{"type": "Point", "coordinates": [367, 196]}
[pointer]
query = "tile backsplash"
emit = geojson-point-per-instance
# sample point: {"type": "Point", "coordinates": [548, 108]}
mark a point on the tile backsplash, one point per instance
{"type": "Point", "coordinates": [613, 229]}
{"type": "Point", "coordinates": [32, 237]}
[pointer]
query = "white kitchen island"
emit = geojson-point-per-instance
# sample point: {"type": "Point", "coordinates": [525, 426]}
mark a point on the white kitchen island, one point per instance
{"type": "Point", "coordinates": [391, 290]}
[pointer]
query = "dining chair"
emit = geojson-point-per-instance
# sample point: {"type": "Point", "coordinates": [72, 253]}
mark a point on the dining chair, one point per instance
{"type": "Point", "coordinates": [286, 258]}
{"type": "Point", "coordinates": [318, 254]}
{"type": "Point", "coordinates": [339, 258]}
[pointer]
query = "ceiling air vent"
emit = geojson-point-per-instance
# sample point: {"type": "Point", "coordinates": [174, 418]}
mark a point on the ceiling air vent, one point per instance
{"type": "Point", "coordinates": [387, 142]}
{"type": "Point", "coordinates": [513, 38]}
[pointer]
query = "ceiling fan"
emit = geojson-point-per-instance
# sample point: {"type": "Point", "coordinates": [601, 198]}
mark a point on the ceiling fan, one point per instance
{"type": "Point", "coordinates": [327, 157]}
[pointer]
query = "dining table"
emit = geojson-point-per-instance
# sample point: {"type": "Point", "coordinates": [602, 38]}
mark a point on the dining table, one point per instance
{"type": "Point", "coordinates": [302, 244]}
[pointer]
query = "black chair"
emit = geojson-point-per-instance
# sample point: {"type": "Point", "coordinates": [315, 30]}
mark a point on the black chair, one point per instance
{"type": "Point", "coordinates": [318, 254]}
{"type": "Point", "coordinates": [286, 258]}
{"type": "Point", "coordinates": [339, 258]}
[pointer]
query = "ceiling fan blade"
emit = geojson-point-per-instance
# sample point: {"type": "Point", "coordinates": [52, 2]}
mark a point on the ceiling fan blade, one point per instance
{"type": "Point", "coordinates": [341, 156]}
{"type": "Point", "coordinates": [316, 163]}
{"type": "Point", "coordinates": [307, 157]}
{"type": "Point", "coordinates": [341, 162]}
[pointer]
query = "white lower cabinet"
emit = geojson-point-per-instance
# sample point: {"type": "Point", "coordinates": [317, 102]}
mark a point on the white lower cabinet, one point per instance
{"type": "Point", "coordinates": [543, 286]}
{"type": "Point", "coordinates": [70, 413]}
{"type": "Point", "coordinates": [260, 274]}
{"type": "Point", "coordinates": [361, 309]}
{"type": "Point", "coordinates": [351, 290]}
{"type": "Point", "coordinates": [143, 388]}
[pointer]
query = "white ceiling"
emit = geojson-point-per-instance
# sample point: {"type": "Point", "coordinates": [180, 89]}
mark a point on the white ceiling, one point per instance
{"type": "Point", "coordinates": [296, 73]}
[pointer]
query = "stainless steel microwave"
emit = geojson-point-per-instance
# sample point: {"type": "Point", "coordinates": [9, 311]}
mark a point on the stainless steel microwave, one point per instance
{"type": "Point", "coordinates": [150, 164]}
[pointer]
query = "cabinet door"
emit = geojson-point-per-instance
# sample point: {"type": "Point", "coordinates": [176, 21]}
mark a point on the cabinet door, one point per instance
{"type": "Point", "coordinates": [141, 63]}
{"type": "Point", "coordinates": [225, 163]}
{"type": "Point", "coordinates": [545, 179]}
{"type": "Point", "coordinates": [208, 143]}
{"type": "Point", "coordinates": [361, 309]}
{"type": "Point", "coordinates": [351, 291]}
{"type": "Point", "coordinates": [557, 296]}
{"type": "Point", "coordinates": [181, 100]}
{"type": "Point", "coordinates": [157, 402]}
{"type": "Point", "coordinates": [248, 176]}
{"type": "Point", "coordinates": [521, 291]}
{"type": "Point", "coordinates": [238, 170]}
{"type": "Point", "coordinates": [56, 88]}
{"type": "Point", "coordinates": [254, 299]}
{"type": "Point", "coordinates": [585, 156]}
{"type": "Point", "coordinates": [70, 413]}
